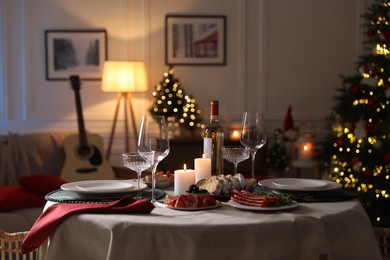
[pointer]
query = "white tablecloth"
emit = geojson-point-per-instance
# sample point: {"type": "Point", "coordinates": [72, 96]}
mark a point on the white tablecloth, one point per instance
{"type": "Point", "coordinates": [341, 230]}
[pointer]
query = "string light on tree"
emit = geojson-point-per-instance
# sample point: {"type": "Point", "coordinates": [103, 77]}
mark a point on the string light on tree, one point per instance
{"type": "Point", "coordinates": [171, 102]}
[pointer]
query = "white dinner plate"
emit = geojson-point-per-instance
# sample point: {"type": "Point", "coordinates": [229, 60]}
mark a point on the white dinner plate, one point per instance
{"type": "Point", "coordinates": [103, 186]}
{"type": "Point", "coordinates": [246, 207]}
{"type": "Point", "coordinates": [299, 184]}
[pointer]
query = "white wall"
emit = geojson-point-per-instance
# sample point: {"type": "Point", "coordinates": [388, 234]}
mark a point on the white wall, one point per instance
{"type": "Point", "coordinates": [280, 53]}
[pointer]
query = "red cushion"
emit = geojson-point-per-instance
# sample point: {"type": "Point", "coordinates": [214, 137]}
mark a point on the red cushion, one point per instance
{"type": "Point", "coordinates": [41, 184]}
{"type": "Point", "coordinates": [15, 197]}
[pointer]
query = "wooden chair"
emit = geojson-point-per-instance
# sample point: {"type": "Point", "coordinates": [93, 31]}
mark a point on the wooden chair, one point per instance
{"type": "Point", "coordinates": [10, 246]}
{"type": "Point", "coordinates": [383, 238]}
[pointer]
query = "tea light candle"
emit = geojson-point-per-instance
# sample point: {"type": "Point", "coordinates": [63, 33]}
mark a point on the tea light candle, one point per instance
{"type": "Point", "coordinates": [202, 168]}
{"type": "Point", "coordinates": [305, 151]}
{"type": "Point", "coordinates": [235, 135]}
{"type": "Point", "coordinates": [184, 178]}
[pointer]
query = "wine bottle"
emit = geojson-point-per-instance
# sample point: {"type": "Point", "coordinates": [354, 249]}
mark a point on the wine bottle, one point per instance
{"type": "Point", "coordinates": [213, 140]}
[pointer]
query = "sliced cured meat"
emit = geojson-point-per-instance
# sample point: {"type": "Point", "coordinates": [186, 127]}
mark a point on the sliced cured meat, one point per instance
{"type": "Point", "coordinates": [190, 201]}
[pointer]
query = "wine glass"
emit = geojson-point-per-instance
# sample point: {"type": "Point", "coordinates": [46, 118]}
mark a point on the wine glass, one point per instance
{"type": "Point", "coordinates": [235, 154]}
{"type": "Point", "coordinates": [134, 161]}
{"type": "Point", "coordinates": [153, 137]}
{"type": "Point", "coordinates": [253, 135]}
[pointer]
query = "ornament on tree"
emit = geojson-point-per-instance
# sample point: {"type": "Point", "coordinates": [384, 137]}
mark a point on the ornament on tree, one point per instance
{"type": "Point", "coordinates": [354, 89]}
{"type": "Point", "coordinates": [386, 159]}
{"type": "Point", "coordinates": [372, 82]}
{"type": "Point", "coordinates": [339, 142]}
{"type": "Point", "coordinates": [386, 34]}
{"type": "Point", "coordinates": [371, 127]}
{"type": "Point", "coordinates": [387, 93]}
{"type": "Point", "coordinates": [377, 144]}
{"type": "Point", "coordinates": [360, 129]}
{"type": "Point", "coordinates": [371, 33]}
{"type": "Point", "coordinates": [371, 102]}
{"type": "Point", "coordinates": [172, 103]}
{"type": "Point", "coordinates": [354, 160]}
{"type": "Point", "coordinates": [368, 173]}
{"type": "Point", "coordinates": [357, 167]}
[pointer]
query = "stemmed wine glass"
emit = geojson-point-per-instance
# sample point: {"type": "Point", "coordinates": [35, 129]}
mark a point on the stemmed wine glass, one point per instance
{"type": "Point", "coordinates": [153, 137]}
{"type": "Point", "coordinates": [134, 161]}
{"type": "Point", "coordinates": [253, 135]}
{"type": "Point", "coordinates": [235, 154]}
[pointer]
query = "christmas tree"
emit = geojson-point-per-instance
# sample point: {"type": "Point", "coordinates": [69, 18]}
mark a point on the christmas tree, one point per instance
{"type": "Point", "coordinates": [277, 154]}
{"type": "Point", "coordinates": [357, 151]}
{"type": "Point", "coordinates": [171, 102]}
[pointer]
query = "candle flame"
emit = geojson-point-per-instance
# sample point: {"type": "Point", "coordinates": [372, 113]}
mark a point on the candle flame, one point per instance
{"type": "Point", "coordinates": [305, 147]}
{"type": "Point", "coordinates": [185, 167]}
{"type": "Point", "coordinates": [235, 133]}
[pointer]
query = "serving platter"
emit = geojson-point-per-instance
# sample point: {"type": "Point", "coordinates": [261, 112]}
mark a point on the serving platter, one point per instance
{"type": "Point", "coordinates": [218, 204]}
{"type": "Point", "coordinates": [103, 186]}
{"type": "Point", "coordinates": [299, 184]}
{"type": "Point", "coordinates": [254, 208]}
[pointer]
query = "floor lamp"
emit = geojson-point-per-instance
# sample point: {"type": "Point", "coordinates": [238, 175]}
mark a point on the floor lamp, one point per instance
{"type": "Point", "coordinates": [123, 77]}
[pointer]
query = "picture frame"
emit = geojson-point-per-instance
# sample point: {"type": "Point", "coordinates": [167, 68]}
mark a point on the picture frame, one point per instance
{"type": "Point", "coordinates": [195, 40]}
{"type": "Point", "coordinates": [75, 52]}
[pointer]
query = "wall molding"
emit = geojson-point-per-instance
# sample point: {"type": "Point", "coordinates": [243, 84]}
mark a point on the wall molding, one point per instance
{"type": "Point", "coordinates": [24, 58]}
{"type": "Point", "coordinates": [241, 58]}
{"type": "Point", "coordinates": [3, 64]}
{"type": "Point", "coordinates": [262, 76]}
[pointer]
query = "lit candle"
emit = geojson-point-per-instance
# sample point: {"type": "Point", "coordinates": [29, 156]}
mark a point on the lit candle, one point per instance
{"type": "Point", "coordinates": [235, 135]}
{"type": "Point", "coordinates": [184, 178]}
{"type": "Point", "coordinates": [305, 151]}
{"type": "Point", "coordinates": [202, 168]}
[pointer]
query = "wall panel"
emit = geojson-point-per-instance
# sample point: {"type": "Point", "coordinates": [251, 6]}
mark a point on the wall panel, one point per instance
{"type": "Point", "coordinates": [305, 55]}
{"type": "Point", "coordinates": [3, 60]}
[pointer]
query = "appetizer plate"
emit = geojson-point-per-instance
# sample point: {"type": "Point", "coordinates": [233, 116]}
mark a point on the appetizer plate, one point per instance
{"type": "Point", "coordinates": [159, 184]}
{"type": "Point", "coordinates": [246, 207]}
{"type": "Point", "coordinates": [195, 208]}
{"type": "Point", "coordinates": [102, 186]}
{"type": "Point", "coordinates": [299, 184]}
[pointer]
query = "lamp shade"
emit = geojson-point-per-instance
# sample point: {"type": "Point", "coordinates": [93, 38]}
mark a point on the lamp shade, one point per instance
{"type": "Point", "coordinates": [124, 76]}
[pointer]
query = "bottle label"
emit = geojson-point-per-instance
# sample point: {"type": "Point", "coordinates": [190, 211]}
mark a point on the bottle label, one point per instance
{"type": "Point", "coordinates": [207, 147]}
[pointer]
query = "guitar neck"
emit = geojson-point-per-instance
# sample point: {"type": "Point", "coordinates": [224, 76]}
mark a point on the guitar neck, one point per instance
{"type": "Point", "coordinates": [80, 120]}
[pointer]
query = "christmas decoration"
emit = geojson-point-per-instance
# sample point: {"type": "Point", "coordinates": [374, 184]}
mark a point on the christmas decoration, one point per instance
{"type": "Point", "coordinates": [356, 152]}
{"type": "Point", "coordinates": [179, 109]}
{"type": "Point", "coordinates": [277, 159]}
{"type": "Point", "coordinates": [290, 133]}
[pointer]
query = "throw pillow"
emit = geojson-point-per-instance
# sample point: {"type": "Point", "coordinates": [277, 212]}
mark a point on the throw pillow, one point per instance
{"type": "Point", "coordinates": [41, 184]}
{"type": "Point", "coordinates": [15, 197]}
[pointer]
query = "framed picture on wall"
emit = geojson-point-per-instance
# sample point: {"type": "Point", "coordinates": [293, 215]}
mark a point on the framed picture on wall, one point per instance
{"type": "Point", "coordinates": [75, 52]}
{"type": "Point", "coordinates": [195, 40]}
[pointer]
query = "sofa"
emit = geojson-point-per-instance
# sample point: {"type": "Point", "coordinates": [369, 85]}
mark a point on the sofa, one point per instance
{"type": "Point", "coordinates": [30, 166]}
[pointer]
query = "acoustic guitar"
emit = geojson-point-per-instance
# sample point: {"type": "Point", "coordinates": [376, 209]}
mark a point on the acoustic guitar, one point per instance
{"type": "Point", "coordinates": [83, 152]}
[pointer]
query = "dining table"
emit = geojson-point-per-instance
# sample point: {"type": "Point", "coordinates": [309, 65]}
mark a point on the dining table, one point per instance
{"type": "Point", "coordinates": [326, 230]}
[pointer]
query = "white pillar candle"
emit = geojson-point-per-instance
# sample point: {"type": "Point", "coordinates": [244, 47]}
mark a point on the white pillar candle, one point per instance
{"type": "Point", "coordinates": [202, 168]}
{"type": "Point", "coordinates": [184, 178]}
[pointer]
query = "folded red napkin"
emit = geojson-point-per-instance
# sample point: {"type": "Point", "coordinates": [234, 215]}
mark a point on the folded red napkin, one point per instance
{"type": "Point", "coordinates": [53, 215]}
